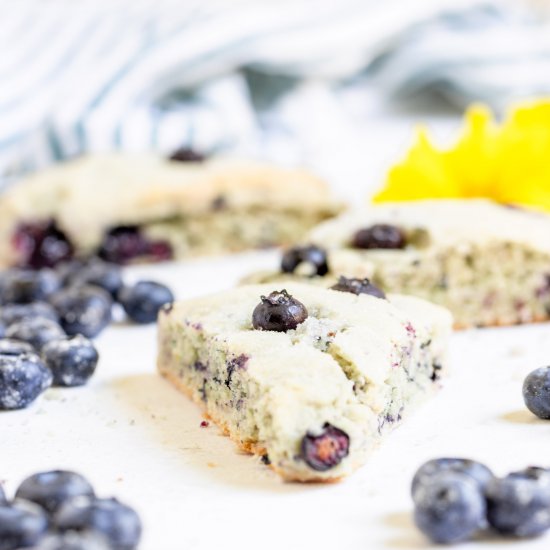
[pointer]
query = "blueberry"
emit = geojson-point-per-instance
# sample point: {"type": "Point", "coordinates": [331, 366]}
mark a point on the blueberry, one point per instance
{"type": "Point", "coordinates": [449, 507]}
{"type": "Point", "coordinates": [186, 154]}
{"type": "Point", "coordinates": [83, 310]}
{"type": "Point", "coordinates": [477, 471]}
{"type": "Point", "coordinates": [123, 244]}
{"type": "Point", "coordinates": [379, 236]}
{"type": "Point", "coordinates": [71, 360]}
{"type": "Point", "coordinates": [41, 244]}
{"type": "Point", "coordinates": [325, 450]}
{"type": "Point", "coordinates": [73, 541]}
{"type": "Point", "coordinates": [51, 489]}
{"type": "Point", "coordinates": [119, 523]}
{"type": "Point", "coordinates": [519, 504]}
{"type": "Point", "coordinates": [12, 313]}
{"type": "Point", "coordinates": [22, 286]}
{"type": "Point", "coordinates": [313, 256]}
{"type": "Point", "coordinates": [143, 301]}
{"type": "Point", "coordinates": [70, 269]}
{"type": "Point", "coordinates": [22, 379]}
{"type": "Point", "coordinates": [104, 275]}
{"type": "Point", "coordinates": [14, 347]}
{"type": "Point", "coordinates": [278, 312]}
{"type": "Point", "coordinates": [21, 525]}
{"type": "Point", "coordinates": [358, 286]}
{"type": "Point", "coordinates": [36, 331]}
{"type": "Point", "coordinates": [536, 392]}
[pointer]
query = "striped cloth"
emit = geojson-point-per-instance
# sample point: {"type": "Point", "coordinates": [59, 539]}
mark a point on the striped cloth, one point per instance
{"type": "Point", "coordinates": [156, 74]}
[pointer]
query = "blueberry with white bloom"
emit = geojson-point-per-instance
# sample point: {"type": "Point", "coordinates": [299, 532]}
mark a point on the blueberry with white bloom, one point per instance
{"type": "Point", "coordinates": [23, 286]}
{"type": "Point", "coordinates": [36, 331]}
{"type": "Point", "coordinates": [22, 379]}
{"type": "Point", "coordinates": [143, 301]}
{"type": "Point", "coordinates": [449, 507]}
{"type": "Point", "coordinates": [477, 471]}
{"type": "Point", "coordinates": [22, 525]}
{"type": "Point", "coordinates": [118, 523]}
{"type": "Point", "coordinates": [73, 541]}
{"type": "Point", "coordinates": [83, 310]}
{"type": "Point", "coordinates": [536, 392]}
{"type": "Point", "coordinates": [71, 360]}
{"type": "Point", "coordinates": [51, 489]}
{"type": "Point", "coordinates": [13, 313]}
{"type": "Point", "coordinates": [519, 504]}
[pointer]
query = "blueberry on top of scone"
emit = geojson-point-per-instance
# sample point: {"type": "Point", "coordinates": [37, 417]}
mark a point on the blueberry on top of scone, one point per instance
{"type": "Point", "coordinates": [357, 286]}
{"type": "Point", "coordinates": [380, 235]}
{"type": "Point", "coordinates": [187, 154]}
{"type": "Point", "coordinates": [279, 311]}
{"type": "Point", "coordinates": [314, 257]}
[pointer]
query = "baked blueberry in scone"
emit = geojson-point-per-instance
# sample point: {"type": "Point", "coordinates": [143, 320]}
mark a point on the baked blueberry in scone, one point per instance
{"type": "Point", "coordinates": [308, 377]}
{"type": "Point", "coordinates": [488, 263]}
{"type": "Point", "coordinates": [126, 208]}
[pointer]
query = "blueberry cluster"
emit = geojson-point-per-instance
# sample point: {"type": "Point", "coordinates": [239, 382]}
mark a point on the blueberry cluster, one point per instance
{"type": "Point", "coordinates": [58, 510]}
{"type": "Point", "coordinates": [48, 316]}
{"type": "Point", "coordinates": [456, 498]}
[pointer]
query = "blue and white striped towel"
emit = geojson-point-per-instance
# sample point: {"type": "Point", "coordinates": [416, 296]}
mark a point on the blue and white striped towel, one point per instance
{"type": "Point", "coordinates": [141, 74]}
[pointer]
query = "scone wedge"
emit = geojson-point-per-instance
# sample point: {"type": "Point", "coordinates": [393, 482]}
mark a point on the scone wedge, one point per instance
{"type": "Point", "coordinates": [489, 264]}
{"type": "Point", "coordinates": [315, 399]}
{"type": "Point", "coordinates": [138, 207]}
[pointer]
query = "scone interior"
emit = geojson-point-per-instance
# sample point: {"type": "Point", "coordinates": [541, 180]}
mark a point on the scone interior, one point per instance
{"type": "Point", "coordinates": [128, 208]}
{"type": "Point", "coordinates": [488, 263]}
{"type": "Point", "coordinates": [354, 368]}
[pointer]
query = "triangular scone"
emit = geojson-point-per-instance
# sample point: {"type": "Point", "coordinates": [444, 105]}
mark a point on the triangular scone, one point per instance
{"type": "Point", "coordinates": [488, 263]}
{"type": "Point", "coordinates": [129, 207]}
{"type": "Point", "coordinates": [314, 400]}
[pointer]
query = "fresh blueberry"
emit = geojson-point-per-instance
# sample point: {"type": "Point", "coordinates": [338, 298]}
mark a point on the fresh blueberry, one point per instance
{"type": "Point", "coordinates": [36, 331]}
{"type": "Point", "coordinates": [519, 504]}
{"type": "Point", "coordinates": [12, 313]}
{"type": "Point", "coordinates": [21, 525]}
{"type": "Point", "coordinates": [22, 379]}
{"type": "Point", "coordinates": [71, 360]}
{"type": "Point", "coordinates": [278, 312]}
{"type": "Point", "coordinates": [358, 286]}
{"type": "Point", "coordinates": [313, 256]}
{"type": "Point", "coordinates": [536, 392]}
{"type": "Point", "coordinates": [379, 236]}
{"type": "Point", "coordinates": [125, 243]}
{"type": "Point", "coordinates": [73, 541]}
{"type": "Point", "coordinates": [186, 154]}
{"type": "Point", "coordinates": [51, 489]}
{"type": "Point", "coordinates": [143, 301]}
{"type": "Point", "coordinates": [22, 286]}
{"type": "Point", "coordinates": [104, 275]}
{"type": "Point", "coordinates": [14, 347]}
{"type": "Point", "coordinates": [68, 270]}
{"type": "Point", "coordinates": [83, 310]}
{"type": "Point", "coordinates": [325, 450]}
{"type": "Point", "coordinates": [449, 507]}
{"type": "Point", "coordinates": [477, 471]}
{"type": "Point", "coordinates": [119, 523]}
{"type": "Point", "coordinates": [41, 244]}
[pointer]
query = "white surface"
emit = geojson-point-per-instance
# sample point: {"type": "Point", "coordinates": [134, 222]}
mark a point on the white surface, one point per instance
{"type": "Point", "coordinates": [137, 438]}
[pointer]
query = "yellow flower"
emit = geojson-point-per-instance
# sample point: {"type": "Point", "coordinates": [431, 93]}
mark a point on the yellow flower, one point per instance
{"type": "Point", "coordinates": [507, 162]}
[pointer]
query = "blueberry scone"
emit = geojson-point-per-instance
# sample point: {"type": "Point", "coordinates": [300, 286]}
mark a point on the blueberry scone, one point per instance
{"type": "Point", "coordinates": [142, 207]}
{"type": "Point", "coordinates": [310, 378]}
{"type": "Point", "coordinates": [488, 263]}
